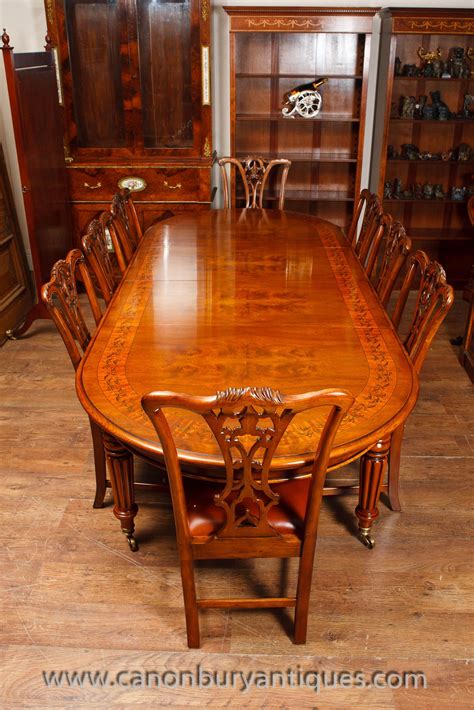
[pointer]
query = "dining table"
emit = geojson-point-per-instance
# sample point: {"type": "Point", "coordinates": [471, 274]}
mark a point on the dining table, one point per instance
{"type": "Point", "coordinates": [238, 298]}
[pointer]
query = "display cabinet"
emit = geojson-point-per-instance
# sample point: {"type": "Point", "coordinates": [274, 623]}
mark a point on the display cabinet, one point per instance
{"type": "Point", "coordinates": [275, 50]}
{"type": "Point", "coordinates": [423, 147]}
{"type": "Point", "coordinates": [134, 82]}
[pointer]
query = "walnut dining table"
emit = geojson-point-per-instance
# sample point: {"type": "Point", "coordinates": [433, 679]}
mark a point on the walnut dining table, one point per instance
{"type": "Point", "coordinates": [237, 298]}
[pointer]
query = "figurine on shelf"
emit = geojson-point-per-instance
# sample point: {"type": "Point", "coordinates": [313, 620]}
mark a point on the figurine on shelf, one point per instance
{"type": "Point", "coordinates": [446, 74]}
{"type": "Point", "coordinates": [304, 100]}
{"type": "Point", "coordinates": [410, 151]}
{"type": "Point", "coordinates": [447, 155]}
{"type": "Point", "coordinates": [464, 152]}
{"type": "Point", "coordinates": [427, 191]}
{"type": "Point", "coordinates": [428, 155]}
{"type": "Point", "coordinates": [418, 191]}
{"type": "Point", "coordinates": [428, 112]}
{"type": "Point", "coordinates": [419, 106]}
{"type": "Point", "coordinates": [398, 66]}
{"type": "Point", "coordinates": [409, 70]}
{"type": "Point", "coordinates": [408, 107]}
{"type": "Point", "coordinates": [408, 193]}
{"type": "Point", "coordinates": [468, 106]}
{"type": "Point", "coordinates": [391, 152]}
{"type": "Point", "coordinates": [431, 62]}
{"type": "Point", "coordinates": [397, 189]}
{"type": "Point", "coordinates": [440, 109]}
{"type": "Point", "coordinates": [387, 191]}
{"type": "Point", "coordinates": [458, 194]}
{"type": "Point", "coordinates": [439, 192]}
{"type": "Point", "coordinates": [458, 64]}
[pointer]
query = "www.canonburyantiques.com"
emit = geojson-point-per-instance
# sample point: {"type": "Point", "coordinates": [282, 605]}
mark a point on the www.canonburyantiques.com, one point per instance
{"type": "Point", "coordinates": [243, 681]}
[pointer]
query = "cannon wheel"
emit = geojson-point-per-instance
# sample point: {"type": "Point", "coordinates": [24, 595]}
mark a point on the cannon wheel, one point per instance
{"type": "Point", "coordinates": [308, 103]}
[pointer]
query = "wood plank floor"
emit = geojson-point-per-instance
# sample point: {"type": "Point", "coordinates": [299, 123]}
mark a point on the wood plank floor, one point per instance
{"type": "Point", "coordinates": [74, 598]}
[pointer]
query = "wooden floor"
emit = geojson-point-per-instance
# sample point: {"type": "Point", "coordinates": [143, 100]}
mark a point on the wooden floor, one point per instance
{"type": "Point", "coordinates": [74, 598]}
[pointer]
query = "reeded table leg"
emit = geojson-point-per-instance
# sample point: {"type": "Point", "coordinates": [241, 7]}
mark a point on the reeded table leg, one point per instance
{"type": "Point", "coordinates": [372, 468]}
{"type": "Point", "coordinates": [120, 466]}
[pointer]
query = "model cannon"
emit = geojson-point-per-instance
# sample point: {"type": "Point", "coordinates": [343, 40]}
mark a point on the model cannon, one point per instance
{"type": "Point", "coordinates": [304, 100]}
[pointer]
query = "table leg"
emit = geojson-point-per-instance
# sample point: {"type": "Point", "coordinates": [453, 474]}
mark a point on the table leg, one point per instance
{"type": "Point", "coordinates": [372, 468]}
{"type": "Point", "coordinates": [120, 466]}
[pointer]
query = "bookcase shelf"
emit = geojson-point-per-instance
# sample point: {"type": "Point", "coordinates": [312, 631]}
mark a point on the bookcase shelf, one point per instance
{"type": "Point", "coordinates": [276, 49]}
{"type": "Point", "coordinates": [442, 226]}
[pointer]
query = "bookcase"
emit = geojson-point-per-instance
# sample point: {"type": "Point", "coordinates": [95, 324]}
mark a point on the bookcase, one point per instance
{"type": "Point", "coordinates": [272, 51]}
{"type": "Point", "coordinates": [423, 146]}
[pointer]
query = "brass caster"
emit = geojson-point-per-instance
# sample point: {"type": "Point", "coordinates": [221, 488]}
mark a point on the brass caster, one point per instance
{"type": "Point", "coordinates": [11, 334]}
{"type": "Point", "coordinates": [132, 543]}
{"type": "Point", "coordinates": [366, 538]}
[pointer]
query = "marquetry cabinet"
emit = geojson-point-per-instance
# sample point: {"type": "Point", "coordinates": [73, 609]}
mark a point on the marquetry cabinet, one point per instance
{"type": "Point", "coordinates": [423, 148]}
{"type": "Point", "coordinates": [134, 82]}
{"type": "Point", "coordinates": [276, 49]}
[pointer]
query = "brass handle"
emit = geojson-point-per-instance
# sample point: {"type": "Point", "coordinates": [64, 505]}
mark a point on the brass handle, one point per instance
{"type": "Point", "coordinates": [93, 187]}
{"type": "Point", "coordinates": [172, 187]}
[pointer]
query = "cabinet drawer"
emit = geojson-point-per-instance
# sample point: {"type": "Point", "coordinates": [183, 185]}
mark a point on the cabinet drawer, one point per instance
{"type": "Point", "coordinates": [164, 184]}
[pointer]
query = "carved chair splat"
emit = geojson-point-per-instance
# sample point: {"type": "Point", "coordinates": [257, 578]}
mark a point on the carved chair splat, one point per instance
{"type": "Point", "coordinates": [395, 253]}
{"type": "Point", "coordinates": [255, 172]}
{"type": "Point", "coordinates": [247, 517]}
{"type": "Point", "coordinates": [94, 243]}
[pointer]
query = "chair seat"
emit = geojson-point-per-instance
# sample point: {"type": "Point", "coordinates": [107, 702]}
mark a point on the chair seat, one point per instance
{"type": "Point", "coordinates": [205, 518]}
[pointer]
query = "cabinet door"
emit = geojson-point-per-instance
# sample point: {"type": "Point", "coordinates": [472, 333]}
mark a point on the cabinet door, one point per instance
{"type": "Point", "coordinates": [97, 45]}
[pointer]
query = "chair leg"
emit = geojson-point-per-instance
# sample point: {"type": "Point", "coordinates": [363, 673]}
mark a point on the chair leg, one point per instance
{"type": "Point", "coordinates": [303, 591]}
{"type": "Point", "coordinates": [100, 467]}
{"type": "Point", "coordinates": [190, 603]}
{"type": "Point", "coordinates": [394, 468]}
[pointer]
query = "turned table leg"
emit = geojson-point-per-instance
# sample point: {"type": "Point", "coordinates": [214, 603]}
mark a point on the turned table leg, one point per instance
{"type": "Point", "coordinates": [372, 468]}
{"type": "Point", "coordinates": [120, 466]}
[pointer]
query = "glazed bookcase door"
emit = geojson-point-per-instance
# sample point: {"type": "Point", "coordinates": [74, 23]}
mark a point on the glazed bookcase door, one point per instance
{"type": "Point", "coordinates": [273, 52]}
{"type": "Point", "coordinates": [133, 75]}
{"type": "Point", "coordinates": [438, 224]}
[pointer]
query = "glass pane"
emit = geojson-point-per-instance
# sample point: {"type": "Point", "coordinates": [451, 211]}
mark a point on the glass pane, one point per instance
{"type": "Point", "coordinates": [93, 28]}
{"type": "Point", "coordinates": [164, 38]}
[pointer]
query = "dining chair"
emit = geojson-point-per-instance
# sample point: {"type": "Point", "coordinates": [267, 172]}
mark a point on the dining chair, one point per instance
{"type": "Point", "coordinates": [96, 250]}
{"type": "Point", "coordinates": [434, 297]}
{"type": "Point", "coordinates": [246, 516]}
{"type": "Point", "coordinates": [370, 241]}
{"type": "Point", "coordinates": [255, 172]}
{"type": "Point", "coordinates": [363, 207]}
{"type": "Point", "coordinates": [395, 250]}
{"type": "Point", "coordinates": [131, 210]}
{"type": "Point", "coordinates": [60, 295]}
{"type": "Point", "coordinates": [122, 227]}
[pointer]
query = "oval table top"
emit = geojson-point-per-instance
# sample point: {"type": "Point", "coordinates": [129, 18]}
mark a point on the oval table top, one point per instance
{"type": "Point", "coordinates": [235, 298]}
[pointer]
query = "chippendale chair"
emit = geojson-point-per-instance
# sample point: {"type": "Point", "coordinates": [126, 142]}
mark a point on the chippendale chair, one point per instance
{"type": "Point", "coordinates": [121, 226]}
{"type": "Point", "coordinates": [368, 207]}
{"type": "Point", "coordinates": [394, 255]}
{"type": "Point", "coordinates": [131, 212]}
{"type": "Point", "coordinates": [61, 298]}
{"type": "Point", "coordinates": [94, 243]}
{"type": "Point", "coordinates": [434, 298]}
{"type": "Point", "coordinates": [255, 172]}
{"type": "Point", "coordinates": [245, 516]}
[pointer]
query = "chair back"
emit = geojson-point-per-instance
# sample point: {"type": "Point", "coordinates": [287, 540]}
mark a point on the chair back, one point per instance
{"type": "Point", "coordinates": [248, 424]}
{"type": "Point", "coordinates": [61, 298]}
{"type": "Point", "coordinates": [395, 252]}
{"type": "Point", "coordinates": [131, 211]}
{"type": "Point", "coordinates": [94, 243]}
{"type": "Point", "coordinates": [363, 207]}
{"type": "Point", "coordinates": [120, 224]}
{"type": "Point", "coordinates": [434, 298]}
{"type": "Point", "coordinates": [255, 172]}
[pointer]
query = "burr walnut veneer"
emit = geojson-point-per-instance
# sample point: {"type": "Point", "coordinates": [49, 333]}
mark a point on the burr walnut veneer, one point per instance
{"type": "Point", "coordinates": [238, 298]}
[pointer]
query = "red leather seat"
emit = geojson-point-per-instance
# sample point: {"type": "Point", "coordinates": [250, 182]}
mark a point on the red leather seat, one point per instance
{"type": "Point", "coordinates": [205, 518]}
